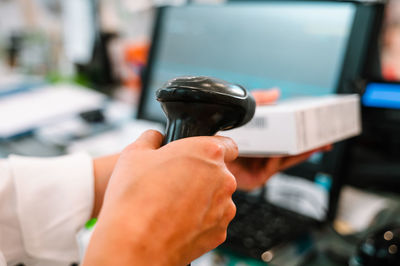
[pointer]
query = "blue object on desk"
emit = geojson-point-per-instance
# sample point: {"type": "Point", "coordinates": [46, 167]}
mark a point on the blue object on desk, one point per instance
{"type": "Point", "coordinates": [382, 95]}
{"type": "Point", "coordinates": [18, 84]}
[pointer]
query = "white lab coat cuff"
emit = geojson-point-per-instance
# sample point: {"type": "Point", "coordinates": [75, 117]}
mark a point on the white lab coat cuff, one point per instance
{"type": "Point", "coordinates": [54, 200]}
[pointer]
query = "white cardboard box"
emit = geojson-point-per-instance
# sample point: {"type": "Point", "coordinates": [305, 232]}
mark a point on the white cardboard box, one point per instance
{"type": "Point", "coordinates": [298, 125]}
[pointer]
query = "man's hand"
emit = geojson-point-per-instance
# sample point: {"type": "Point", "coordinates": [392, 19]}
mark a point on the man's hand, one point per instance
{"type": "Point", "coordinates": [251, 173]}
{"type": "Point", "coordinates": [165, 206]}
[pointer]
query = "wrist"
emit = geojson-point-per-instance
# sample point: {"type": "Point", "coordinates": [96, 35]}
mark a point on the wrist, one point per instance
{"type": "Point", "coordinates": [129, 242]}
{"type": "Point", "coordinates": [102, 170]}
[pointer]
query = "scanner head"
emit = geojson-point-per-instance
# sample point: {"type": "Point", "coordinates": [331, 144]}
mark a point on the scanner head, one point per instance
{"type": "Point", "coordinates": [204, 105]}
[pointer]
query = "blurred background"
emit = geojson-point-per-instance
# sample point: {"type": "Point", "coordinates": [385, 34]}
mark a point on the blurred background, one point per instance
{"type": "Point", "coordinates": [74, 76]}
{"type": "Point", "coordinates": [103, 44]}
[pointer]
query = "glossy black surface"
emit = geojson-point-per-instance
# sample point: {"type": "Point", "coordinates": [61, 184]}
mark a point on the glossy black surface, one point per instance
{"type": "Point", "coordinates": [205, 85]}
{"type": "Point", "coordinates": [202, 106]}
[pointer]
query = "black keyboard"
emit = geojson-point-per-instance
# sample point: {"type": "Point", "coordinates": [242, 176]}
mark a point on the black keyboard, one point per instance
{"type": "Point", "coordinates": [258, 226]}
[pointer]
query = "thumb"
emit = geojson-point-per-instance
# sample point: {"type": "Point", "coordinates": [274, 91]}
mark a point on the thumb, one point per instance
{"type": "Point", "coordinates": [150, 139]}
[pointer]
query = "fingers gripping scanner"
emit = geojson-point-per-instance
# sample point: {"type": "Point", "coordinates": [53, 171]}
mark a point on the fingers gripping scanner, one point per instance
{"type": "Point", "coordinates": [202, 106]}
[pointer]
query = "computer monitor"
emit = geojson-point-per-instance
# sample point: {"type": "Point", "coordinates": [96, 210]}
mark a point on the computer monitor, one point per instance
{"type": "Point", "coordinates": [302, 47]}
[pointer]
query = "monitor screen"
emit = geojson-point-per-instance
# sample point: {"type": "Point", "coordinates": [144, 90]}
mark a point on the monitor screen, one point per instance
{"type": "Point", "coordinates": [296, 46]}
{"type": "Point", "coordinates": [382, 95]}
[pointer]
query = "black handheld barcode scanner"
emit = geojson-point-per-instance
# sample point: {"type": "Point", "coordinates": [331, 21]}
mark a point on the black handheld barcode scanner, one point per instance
{"type": "Point", "coordinates": [202, 106]}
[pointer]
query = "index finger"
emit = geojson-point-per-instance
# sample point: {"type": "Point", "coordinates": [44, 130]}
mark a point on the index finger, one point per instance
{"type": "Point", "coordinates": [216, 147]}
{"type": "Point", "coordinates": [231, 151]}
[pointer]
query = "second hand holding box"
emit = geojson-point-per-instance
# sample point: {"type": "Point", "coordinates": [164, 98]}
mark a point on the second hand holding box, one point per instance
{"type": "Point", "coordinates": [298, 125]}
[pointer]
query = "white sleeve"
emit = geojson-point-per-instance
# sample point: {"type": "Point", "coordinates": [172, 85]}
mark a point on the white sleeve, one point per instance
{"type": "Point", "coordinates": [43, 204]}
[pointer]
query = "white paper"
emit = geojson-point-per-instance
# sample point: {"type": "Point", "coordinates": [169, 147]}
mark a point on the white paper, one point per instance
{"type": "Point", "coordinates": [140, 5]}
{"type": "Point", "coordinates": [25, 111]}
{"type": "Point", "coordinates": [357, 208]}
{"type": "Point", "coordinates": [298, 195]}
{"type": "Point", "coordinates": [115, 140]}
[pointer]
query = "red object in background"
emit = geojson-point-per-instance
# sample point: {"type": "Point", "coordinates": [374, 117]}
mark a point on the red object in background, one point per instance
{"type": "Point", "coordinates": [389, 73]}
{"type": "Point", "coordinates": [135, 56]}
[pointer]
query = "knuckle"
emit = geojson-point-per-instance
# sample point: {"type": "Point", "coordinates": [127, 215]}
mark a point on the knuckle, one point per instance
{"type": "Point", "coordinates": [235, 147]}
{"type": "Point", "coordinates": [231, 212]}
{"type": "Point", "coordinates": [153, 132]}
{"type": "Point", "coordinates": [231, 145]}
{"type": "Point", "coordinates": [220, 238]}
{"type": "Point", "coordinates": [214, 150]}
{"type": "Point", "coordinates": [231, 184]}
{"type": "Point", "coordinates": [223, 236]}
